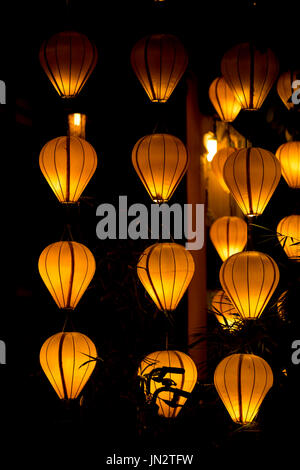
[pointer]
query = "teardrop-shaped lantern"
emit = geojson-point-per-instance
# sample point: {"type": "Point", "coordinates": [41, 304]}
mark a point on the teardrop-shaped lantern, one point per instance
{"type": "Point", "coordinates": [159, 61]}
{"type": "Point", "coordinates": [165, 270]}
{"type": "Point", "coordinates": [66, 360]}
{"type": "Point", "coordinates": [160, 160]}
{"type": "Point", "coordinates": [252, 175]}
{"type": "Point", "coordinates": [223, 100]}
{"type": "Point", "coordinates": [242, 382]}
{"type": "Point", "coordinates": [285, 87]}
{"type": "Point", "coordinates": [68, 58]}
{"type": "Point", "coordinates": [249, 279]}
{"type": "Point", "coordinates": [250, 72]}
{"type": "Point", "coordinates": [288, 234]}
{"type": "Point", "coordinates": [217, 165]}
{"type": "Point", "coordinates": [66, 268]}
{"type": "Point", "coordinates": [228, 235]}
{"type": "Point", "coordinates": [288, 155]}
{"type": "Point", "coordinates": [168, 378]}
{"type": "Point", "coordinates": [68, 163]}
{"type": "Point", "coordinates": [225, 312]}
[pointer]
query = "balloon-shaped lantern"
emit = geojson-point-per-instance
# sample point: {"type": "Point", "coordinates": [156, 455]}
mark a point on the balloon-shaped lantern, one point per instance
{"type": "Point", "coordinates": [249, 279]}
{"type": "Point", "coordinates": [289, 156]}
{"type": "Point", "coordinates": [288, 234]}
{"type": "Point", "coordinates": [66, 268]}
{"type": "Point", "coordinates": [228, 235]}
{"type": "Point", "coordinates": [218, 162]}
{"type": "Point", "coordinates": [165, 270]}
{"type": "Point", "coordinates": [285, 87]}
{"type": "Point", "coordinates": [225, 312]}
{"type": "Point", "coordinates": [160, 161]}
{"type": "Point", "coordinates": [223, 100]}
{"type": "Point", "coordinates": [250, 72]}
{"type": "Point", "coordinates": [66, 360]}
{"type": "Point", "coordinates": [68, 163]}
{"type": "Point", "coordinates": [168, 379]}
{"type": "Point", "coordinates": [252, 175]}
{"type": "Point", "coordinates": [159, 62]}
{"type": "Point", "coordinates": [242, 382]}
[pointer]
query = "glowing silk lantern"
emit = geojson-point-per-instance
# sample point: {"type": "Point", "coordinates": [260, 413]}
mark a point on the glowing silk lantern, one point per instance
{"type": "Point", "coordinates": [160, 161]}
{"type": "Point", "coordinates": [250, 72]}
{"type": "Point", "coordinates": [289, 157]}
{"type": "Point", "coordinates": [226, 314]}
{"type": "Point", "coordinates": [228, 235]}
{"type": "Point", "coordinates": [223, 100]}
{"type": "Point", "coordinates": [68, 59]}
{"type": "Point", "coordinates": [165, 270]}
{"type": "Point", "coordinates": [211, 145]}
{"type": "Point", "coordinates": [288, 234]}
{"type": "Point", "coordinates": [68, 163]}
{"type": "Point", "coordinates": [76, 123]}
{"type": "Point", "coordinates": [67, 269]}
{"type": "Point", "coordinates": [252, 175]}
{"type": "Point", "coordinates": [66, 360]}
{"type": "Point", "coordinates": [218, 162]}
{"type": "Point", "coordinates": [168, 379]}
{"type": "Point", "coordinates": [242, 382]}
{"type": "Point", "coordinates": [249, 279]}
{"type": "Point", "coordinates": [159, 61]}
{"type": "Point", "coordinates": [285, 87]}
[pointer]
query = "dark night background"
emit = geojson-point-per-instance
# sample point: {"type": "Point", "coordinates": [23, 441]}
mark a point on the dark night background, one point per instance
{"type": "Point", "coordinates": [114, 312]}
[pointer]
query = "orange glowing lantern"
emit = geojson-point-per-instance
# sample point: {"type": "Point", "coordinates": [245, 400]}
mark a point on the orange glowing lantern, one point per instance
{"type": "Point", "coordinates": [228, 235]}
{"type": "Point", "coordinates": [223, 100]}
{"type": "Point", "coordinates": [76, 123]}
{"type": "Point", "coordinates": [218, 163]}
{"type": "Point", "coordinates": [285, 87]}
{"type": "Point", "coordinates": [289, 156]}
{"type": "Point", "coordinates": [226, 314]}
{"type": "Point", "coordinates": [288, 234]}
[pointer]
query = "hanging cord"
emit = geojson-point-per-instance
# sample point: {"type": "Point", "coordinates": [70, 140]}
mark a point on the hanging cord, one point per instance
{"type": "Point", "coordinates": [68, 320]}
{"type": "Point", "coordinates": [250, 244]}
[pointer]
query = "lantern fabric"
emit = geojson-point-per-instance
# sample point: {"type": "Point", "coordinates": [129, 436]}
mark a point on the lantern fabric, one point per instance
{"type": "Point", "coordinates": [223, 100]}
{"type": "Point", "coordinates": [228, 235]}
{"type": "Point", "coordinates": [76, 123]}
{"type": "Point", "coordinates": [67, 268]}
{"type": "Point", "coordinates": [159, 61]}
{"type": "Point", "coordinates": [165, 270]}
{"type": "Point", "coordinates": [160, 161]}
{"type": "Point", "coordinates": [242, 382]}
{"type": "Point", "coordinates": [66, 360]}
{"type": "Point", "coordinates": [252, 175]}
{"type": "Point", "coordinates": [285, 89]}
{"type": "Point", "coordinates": [225, 312]}
{"type": "Point", "coordinates": [165, 373]}
{"type": "Point", "coordinates": [288, 234]}
{"type": "Point", "coordinates": [68, 163]}
{"type": "Point", "coordinates": [250, 73]}
{"type": "Point", "coordinates": [249, 279]}
{"type": "Point", "coordinates": [68, 58]}
{"type": "Point", "coordinates": [217, 165]}
{"type": "Point", "coordinates": [288, 155]}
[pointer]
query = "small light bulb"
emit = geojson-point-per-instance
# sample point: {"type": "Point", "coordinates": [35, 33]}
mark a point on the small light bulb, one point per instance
{"type": "Point", "coordinates": [77, 119]}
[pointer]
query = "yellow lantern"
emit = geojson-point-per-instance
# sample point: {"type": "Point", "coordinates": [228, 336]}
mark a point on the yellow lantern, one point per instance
{"type": "Point", "coordinates": [76, 123]}
{"type": "Point", "coordinates": [66, 360]}
{"type": "Point", "coordinates": [168, 378]}
{"type": "Point", "coordinates": [285, 87]}
{"type": "Point", "coordinates": [223, 100]}
{"type": "Point", "coordinates": [68, 59]}
{"type": "Point", "coordinates": [249, 279]}
{"type": "Point", "coordinates": [160, 161]}
{"type": "Point", "coordinates": [159, 61]}
{"type": "Point", "coordinates": [226, 314]}
{"type": "Point", "coordinates": [288, 234]}
{"type": "Point", "coordinates": [289, 156]}
{"type": "Point", "coordinates": [218, 163]}
{"type": "Point", "coordinates": [66, 268]}
{"type": "Point", "coordinates": [250, 73]}
{"type": "Point", "coordinates": [165, 270]}
{"type": "Point", "coordinates": [242, 382]}
{"type": "Point", "coordinates": [228, 235]}
{"type": "Point", "coordinates": [68, 163]}
{"type": "Point", "coordinates": [252, 175]}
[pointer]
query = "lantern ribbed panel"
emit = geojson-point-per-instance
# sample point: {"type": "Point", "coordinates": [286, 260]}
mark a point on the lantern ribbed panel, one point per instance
{"type": "Point", "coordinates": [250, 73]}
{"type": "Point", "coordinates": [285, 89]}
{"type": "Point", "coordinates": [289, 157]}
{"type": "Point", "coordinates": [159, 62]}
{"type": "Point", "coordinates": [68, 58]}
{"type": "Point", "coordinates": [249, 279]}
{"type": "Point", "coordinates": [225, 312]}
{"type": "Point", "coordinates": [218, 162]}
{"type": "Point", "coordinates": [242, 382]}
{"type": "Point", "coordinates": [61, 358]}
{"type": "Point", "coordinates": [185, 381]}
{"type": "Point", "coordinates": [66, 268]}
{"type": "Point", "coordinates": [223, 100]}
{"type": "Point", "coordinates": [160, 161]}
{"type": "Point", "coordinates": [252, 175]}
{"type": "Point", "coordinates": [288, 233]}
{"type": "Point", "coordinates": [165, 270]}
{"type": "Point", "coordinates": [228, 235]}
{"type": "Point", "coordinates": [68, 163]}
